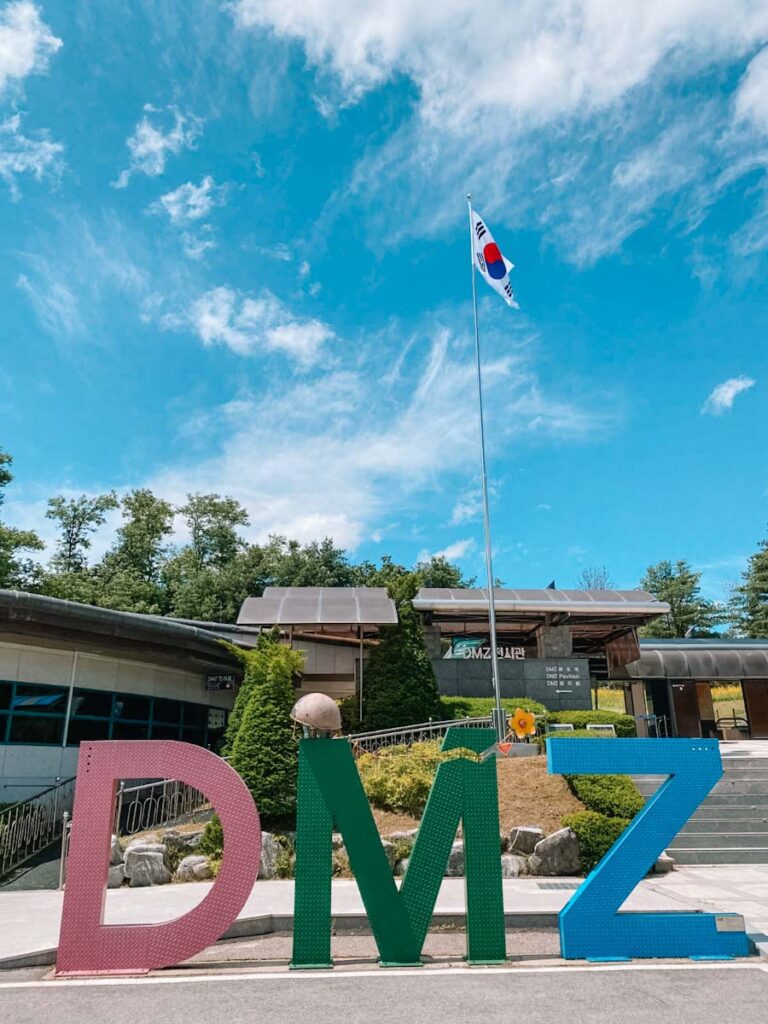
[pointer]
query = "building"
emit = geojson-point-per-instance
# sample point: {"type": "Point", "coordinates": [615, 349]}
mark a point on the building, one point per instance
{"type": "Point", "coordinates": [70, 672]}
{"type": "Point", "coordinates": [552, 644]}
{"type": "Point", "coordinates": [672, 680]}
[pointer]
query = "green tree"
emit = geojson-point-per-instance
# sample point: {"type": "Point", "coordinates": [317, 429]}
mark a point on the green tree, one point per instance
{"type": "Point", "coordinates": [209, 578]}
{"type": "Point", "coordinates": [264, 750]}
{"type": "Point", "coordinates": [399, 685]}
{"type": "Point", "coordinates": [129, 577]}
{"type": "Point", "coordinates": [690, 614]}
{"type": "Point", "coordinates": [16, 571]}
{"type": "Point", "coordinates": [749, 601]}
{"type": "Point", "coordinates": [78, 519]}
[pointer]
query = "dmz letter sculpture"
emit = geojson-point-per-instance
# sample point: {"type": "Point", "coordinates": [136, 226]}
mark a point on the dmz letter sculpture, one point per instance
{"type": "Point", "coordinates": [330, 793]}
{"type": "Point", "coordinates": [86, 944]}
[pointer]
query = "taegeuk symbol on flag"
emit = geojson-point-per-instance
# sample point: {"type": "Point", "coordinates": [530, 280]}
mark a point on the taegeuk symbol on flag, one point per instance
{"type": "Point", "coordinates": [489, 261]}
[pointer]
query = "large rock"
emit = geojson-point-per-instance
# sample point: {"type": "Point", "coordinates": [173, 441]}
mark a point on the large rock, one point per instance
{"type": "Point", "coordinates": [140, 844]}
{"type": "Point", "coordinates": [337, 841]}
{"type": "Point", "coordinates": [513, 866]}
{"type": "Point", "coordinates": [558, 854]}
{"type": "Point", "coordinates": [116, 876]}
{"type": "Point", "coordinates": [115, 852]}
{"type": "Point", "coordinates": [522, 839]}
{"type": "Point", "coordinates": [145, 865]}
{"type": "Point", "coordinates": [401, 867]}
{"type": "Point", "coordinates": [194, 868]}
{"type": "Point", "coordinates": [455, 866]}
{"type": "Point", "coordinates": [391, 851]}
{"type": "Point", "coordinates": [270, 849]}
{"type": "Point", "coordinates": [408, 834]}
{"type": "Point", "coordinates": [182, 842]}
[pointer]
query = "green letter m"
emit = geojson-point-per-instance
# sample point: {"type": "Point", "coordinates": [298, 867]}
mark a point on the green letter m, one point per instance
{"type": "Point", "coordinates": [331, 794]}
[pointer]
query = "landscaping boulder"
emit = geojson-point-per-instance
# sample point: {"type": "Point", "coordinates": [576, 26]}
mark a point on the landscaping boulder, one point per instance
{"type": "Point", "coordinates": [146, 866]}
{"type": "Point", "coordinates": [116, 876]}
{"type": "Point", "coordinates": [182, 842]}
{"type": "Point", "coordinates": [141, 844]}
{"type": "Point", "coordinates": [522, 839]}
{"type": "Point", "coordinates": [455, 867]}
{"type": "Point", "coordinates": [337, 841]}
{"type": "Point", "coordinates": [391, 851]}
{"type": "Point", "coordinates": [558, 854]}
{"type": "Point", "coordinates": [270, 849]}
{"type": "Point", "coordinates": [115, 852]}
{"type": "Point", "coordinates": [408, 834]}
{"type": "Point", "coordinates": [401, 867]}
{"type": "Point", "coordinates": [194, 868]}
{"type": "Point", "coordinates": [513, 866]}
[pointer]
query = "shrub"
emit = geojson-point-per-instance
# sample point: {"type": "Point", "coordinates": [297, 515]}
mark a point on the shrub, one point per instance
{"type": "Point", "coordinates": [481, 707]}
{"type": "Point", "coordinates": [613, 795]}
{"type": "Point", "coordinates": [596, 834]}
{"type": "Point", "coordinates": [350, 714]}
{"type": "Point", "coordinates": [624, 724]}
{"type": "Point", "coordinates": [264, 750]}
{"type": "Point", "coordinates": [400, 778]}
{"type": "Point", "coordinates": [212, 839]}
{"type": "Point", "coordinates": [577, 734]}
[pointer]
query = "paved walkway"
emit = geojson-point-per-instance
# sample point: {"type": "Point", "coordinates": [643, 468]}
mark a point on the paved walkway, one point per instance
{"type": "Point", "coordinates": [29, 921]}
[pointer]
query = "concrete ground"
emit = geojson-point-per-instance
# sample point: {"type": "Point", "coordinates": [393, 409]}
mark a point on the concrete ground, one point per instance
{"type": "Point", "coordinates": [29, 921]}
{"type": "Point", "coordinates": [633, 994]}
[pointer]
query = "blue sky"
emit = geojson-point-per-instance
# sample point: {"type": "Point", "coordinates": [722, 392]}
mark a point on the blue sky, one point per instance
{"type": "Point", "coordinates": [234, 257]}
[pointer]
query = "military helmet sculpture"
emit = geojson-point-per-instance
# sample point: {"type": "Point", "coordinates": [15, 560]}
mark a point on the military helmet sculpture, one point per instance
{"type": "Point", "coordinates": [318, 713]}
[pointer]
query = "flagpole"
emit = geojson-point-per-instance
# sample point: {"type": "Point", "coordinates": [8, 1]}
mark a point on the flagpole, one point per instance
{"type": "Point", "coordinates": [499, 718]}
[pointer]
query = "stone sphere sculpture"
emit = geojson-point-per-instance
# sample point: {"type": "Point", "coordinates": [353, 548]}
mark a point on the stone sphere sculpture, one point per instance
{"type": "Point", "coordinates": [317, 712]}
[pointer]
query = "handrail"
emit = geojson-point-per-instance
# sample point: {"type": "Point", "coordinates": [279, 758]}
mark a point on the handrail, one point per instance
{"type": "Point", "coordinates": [369, 742]}
{"type": "Point", "coordinates": [31, 825]}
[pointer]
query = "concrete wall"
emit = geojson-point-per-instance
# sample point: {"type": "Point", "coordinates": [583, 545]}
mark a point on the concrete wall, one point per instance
{"type": "Point", "coordinates": [24, 770]}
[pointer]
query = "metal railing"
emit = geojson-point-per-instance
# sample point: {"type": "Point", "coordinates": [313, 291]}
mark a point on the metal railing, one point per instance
{"type": "Point", "coordinates": [370, 742]}
{"type": "Point", "coordinates": [144, 807]}
{"type": "Point", "coordinates": [31, 825]}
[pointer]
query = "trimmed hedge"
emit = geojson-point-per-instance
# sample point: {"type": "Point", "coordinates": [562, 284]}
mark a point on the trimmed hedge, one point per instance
{"type": "Point", "coordinates": [400, 778]}
{"type": "Point", "coordinates": [624, 724]}
{"type": "Point", "coordinates": [596, 834]}
{"type": "Point", "coordinates": [613, 795]}
{"type": "Point", "coordinates": [577, 734]}
{"type": "Point", "coordinates": [481, 707]}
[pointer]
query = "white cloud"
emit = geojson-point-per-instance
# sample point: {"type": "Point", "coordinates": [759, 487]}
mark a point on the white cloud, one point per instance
{"type": "Point", "coordinates": [540, 61]}
{"type": "Point", "coordinates": [723, 396]}
{"type": "Point", "coordinates": [20, 154]}
{"type": "Point", "coordinates": [467, 508]}
{"type": "Point", "coordinates": [752, 96]}
{"type": "Point", "coordinates": [452, 552]}
{"type": "Point", "coordinates": [55, 305]}
{"type": "Point", "coordinates": [150, 146]}
{"type": "Point", "coordinates": [247, 325]}
{"type": "Point", "coordinates": [189, 203]}
{"type": "Point", "coordinates": [345, 445]}
{"type": "Point", "coordinates": [26, 42]}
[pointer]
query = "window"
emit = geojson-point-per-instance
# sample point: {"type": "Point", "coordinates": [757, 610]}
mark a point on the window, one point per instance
{"type": "Point", "coordinates": [6, 692]}
{"type": "Point", "coordinates": [38, 700]}
{"type": "Point", "coordinates": [164, 732]}
{"type": "Point", "coordinates": [87, 729]}
{"type": "Point", "coordinates": [92, 704]}
{"type": "Point", "coordinates": [167, 711]}
{"type": "Point", "coordinates": [132, 706]}
{"type": "Point", "coordinates": [36, 729]}
{"type": "Point", "coordinates": [130, 731]}
{"type": "Point", "coordinates": [196, 714]}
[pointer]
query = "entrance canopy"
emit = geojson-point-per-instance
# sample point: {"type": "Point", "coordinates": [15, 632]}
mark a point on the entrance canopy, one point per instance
{"type": "Point", "coordinates": [592, 616]}
{"type": "Point", "coordinates": [698, 659]}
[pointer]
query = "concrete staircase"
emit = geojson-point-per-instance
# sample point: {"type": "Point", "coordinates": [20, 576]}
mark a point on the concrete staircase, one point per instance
{"type": "Point", "coordinates": [731, 826]}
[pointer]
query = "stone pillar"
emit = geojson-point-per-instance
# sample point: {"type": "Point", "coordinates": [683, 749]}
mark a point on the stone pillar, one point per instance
{"type": "Point", "coordinates": [554, 642]}
{"type": "Point", "coordinates": [432, 640]}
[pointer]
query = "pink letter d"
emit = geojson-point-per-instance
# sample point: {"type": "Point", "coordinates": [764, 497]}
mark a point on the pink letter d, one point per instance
{"type": "Point", "coordinates": [86, 944]}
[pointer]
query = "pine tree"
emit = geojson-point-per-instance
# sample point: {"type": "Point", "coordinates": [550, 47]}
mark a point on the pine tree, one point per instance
{"type": "Point", "coordinates": [749, 603]}
{"type": "Point", "coordinates": [689, 612]}
{"type": "Point", "coordinates": [264, 750]}
{"type": "Point", "coordinates": [399, 686]}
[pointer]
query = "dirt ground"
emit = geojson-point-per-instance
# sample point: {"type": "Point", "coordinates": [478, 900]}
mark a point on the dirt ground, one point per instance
{"type": "Point", "coordinates": [528, 795]}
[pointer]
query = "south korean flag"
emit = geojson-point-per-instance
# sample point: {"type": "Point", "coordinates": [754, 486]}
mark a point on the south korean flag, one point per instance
{"type": "Point", "coordinates": [489, 261]}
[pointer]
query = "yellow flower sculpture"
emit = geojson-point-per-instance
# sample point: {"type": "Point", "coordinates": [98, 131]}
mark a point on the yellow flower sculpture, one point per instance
{"type": "Point", "coordinates": [522, 723]}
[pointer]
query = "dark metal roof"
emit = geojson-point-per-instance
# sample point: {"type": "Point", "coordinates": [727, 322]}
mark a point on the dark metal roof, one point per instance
{"type": "Point", "coordinates": [40, 616]}
{"type": "Point", "coordinates": [698, 659]}
{"type": "Point", "coordinates": [634, 603]}
{"type": "Point", "coordinates": [321, 606]}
